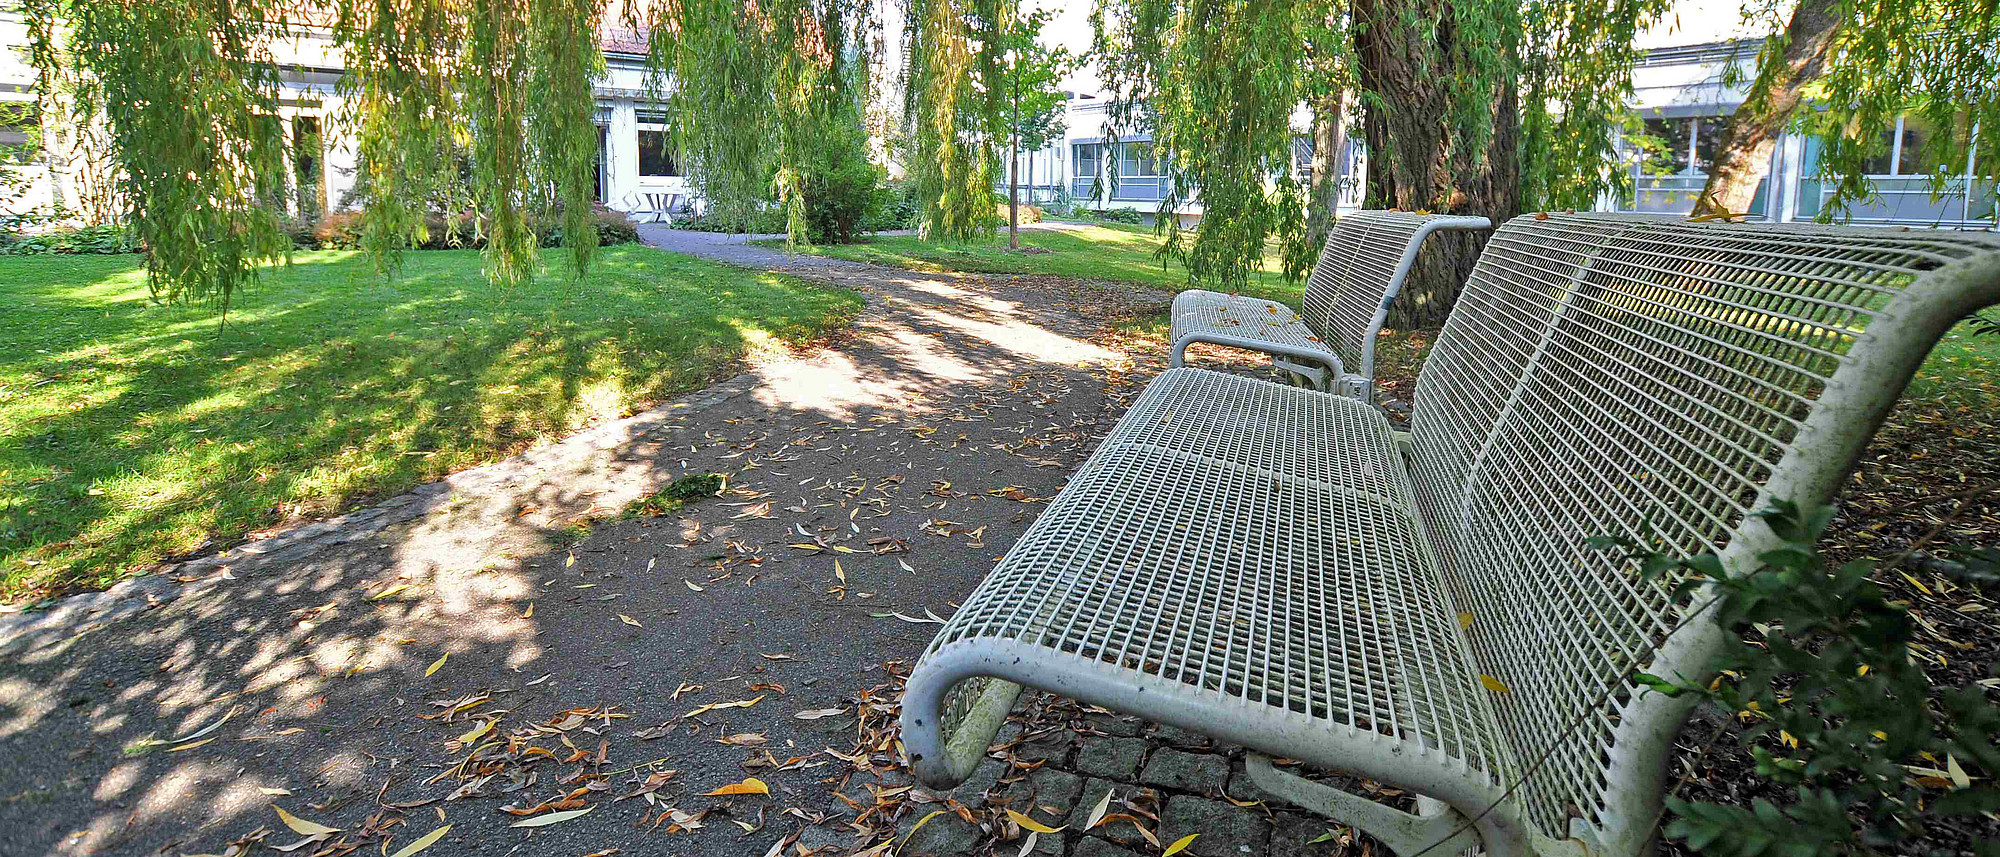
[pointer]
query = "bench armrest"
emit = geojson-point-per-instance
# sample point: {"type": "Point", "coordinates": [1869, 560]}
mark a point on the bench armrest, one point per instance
{"type": "Point", "coordinates": [1177, 355]}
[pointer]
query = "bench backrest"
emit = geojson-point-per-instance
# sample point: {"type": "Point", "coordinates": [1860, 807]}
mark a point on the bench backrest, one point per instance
{"type": "Point", "coordinates": [1608, 375]}
{"type": "Point", "coordinates": [1360, 271]}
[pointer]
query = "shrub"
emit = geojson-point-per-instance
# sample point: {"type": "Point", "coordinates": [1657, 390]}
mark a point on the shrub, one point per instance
{"type": "Point", "coordinates": [1843, 718]}
{"type": "Point", "coordinates": [1029, 213]}
{"type": "Point", "coordinates": [342, 230]}
{"type": "Point", "coordinates": [85, 240]}
{"type": "Point", "coordinates": [1116, 215]}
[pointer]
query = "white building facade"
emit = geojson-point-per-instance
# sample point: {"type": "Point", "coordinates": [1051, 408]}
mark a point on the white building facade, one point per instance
{"type": "Point", "coordinates": [636, 168]}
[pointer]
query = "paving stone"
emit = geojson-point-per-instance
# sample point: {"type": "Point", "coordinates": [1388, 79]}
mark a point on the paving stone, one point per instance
{"type": "Point", "coordinates": [1174, 736]}
{"type": "Point", "coordinates": [1121, 832]}
{"type": "Point", "coordinates": [1053, 747]}
{"type": "Point", "coordinates": [1201, 773]}
{"type": "Point", "coordinates": [1294, 833]}
{"type": "Point", "coordinates": [983, 778]}
{"type": "Point", "coordinates": [944, 836]}
{"type": "Point", "coordinates": [1111, 758]}
{"type": "Point", "coordinates": [1226, 830]}
{"type": "Point", "coordinates": [1123, 727]}
{"type": "Point", "coordinates": [1046, 845]}
{"type": "Point", "coordinates": [1091, 846]}
{"type": "Point", "coordinates": [1046, 788]}
{"type": "Point", "coordinates": [815, 839]}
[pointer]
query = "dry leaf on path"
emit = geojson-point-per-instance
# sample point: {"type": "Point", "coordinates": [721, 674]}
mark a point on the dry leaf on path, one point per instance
{"type": "Point", "coordinates": [1179, 845]}
{"type": "Point", "coordinates": [552, 818]}
{"type": "Point", "coordinates": [426, 841]}
{"type": "Point", "coordinates": [437, 664]}
{"type": "Point", "coordinates": [302, 826]}
{"type": "Point", "coordinates": [749, 786]}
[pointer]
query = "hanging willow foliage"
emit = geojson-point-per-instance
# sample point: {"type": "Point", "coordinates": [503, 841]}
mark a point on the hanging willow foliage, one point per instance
{"type": "Point", "coordinates": [1477, 106]}
{"type": "Point", "coordinates": [954, 102]}
{"type": "Point", "coordinates": [1936, 61]}
{"type": "Point", "coordinates": [189, 95]}
{"type": "Point", "coordinates": [759, 92]}
{"type": "Point", "coordinates": [188, 91]}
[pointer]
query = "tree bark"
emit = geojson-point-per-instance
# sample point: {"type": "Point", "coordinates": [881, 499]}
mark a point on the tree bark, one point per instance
{"type": "Point", "coordinates": [1747, 141]}
{"type": "Point", "coordinates": [1014, 192]}
{"type": "Point", "coordinates": [1412, 162]}
{"type": "Point", "coordinates": [1329, 137]}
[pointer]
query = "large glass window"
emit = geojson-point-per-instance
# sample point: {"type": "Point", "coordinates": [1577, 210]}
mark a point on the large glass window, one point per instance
{"type": "Point", "coordinates": [1136, 159]}
{"type": "Point", "coordinates": [656, 154]}
{"type": "Point", "coordinates": [1086, 157]}
{"type": "Point", "coordinates": [1665, 144]}
{"type": "Point", "coordinates": [20, 132]}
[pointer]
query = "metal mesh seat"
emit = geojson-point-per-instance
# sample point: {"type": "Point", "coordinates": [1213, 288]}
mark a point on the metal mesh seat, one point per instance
{"type": "Point", "coordinates": [1262, 564]}
{"type": "Point", "coordinates": [1332, 337]}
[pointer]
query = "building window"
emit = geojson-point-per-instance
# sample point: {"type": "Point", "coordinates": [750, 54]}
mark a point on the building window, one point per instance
{"type": "Point", "coordinates": [1902, 149]}
{"type": "Point", "coordinates": [20, 132]}
{"type": "Point", "coordinates": [1086, 157]}
{"type": "Point", "coordinates": [1136, 159]}
{"type": "Point", "coordinates": [656, 154]}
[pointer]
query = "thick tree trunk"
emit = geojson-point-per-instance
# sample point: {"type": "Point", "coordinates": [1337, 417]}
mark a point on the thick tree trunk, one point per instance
{"type": "Point", "coordinates": [1412, 164]}
{"type": "Point", "coordinates": [1329, 137]}
{"type": "Point", "coordinates": [1747, 141]}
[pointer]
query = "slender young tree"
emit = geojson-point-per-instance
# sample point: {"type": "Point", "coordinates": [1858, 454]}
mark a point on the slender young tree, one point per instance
{"type": "Point", "coordinates": [1033, 73]}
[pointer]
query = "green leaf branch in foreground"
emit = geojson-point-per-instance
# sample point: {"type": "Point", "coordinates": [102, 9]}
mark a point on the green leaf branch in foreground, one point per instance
{"type": "Point", "coordinates": [1854, 750]}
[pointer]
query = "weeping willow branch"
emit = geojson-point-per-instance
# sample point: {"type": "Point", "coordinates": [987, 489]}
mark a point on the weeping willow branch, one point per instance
{"type": "Point", "coordinates": [953, 101]}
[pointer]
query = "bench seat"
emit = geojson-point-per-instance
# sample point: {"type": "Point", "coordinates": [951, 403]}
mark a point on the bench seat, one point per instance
{"type": "Point", "coordinates": [1200, 315]}
{"type": "Point", "coordinates": [1258, 542]}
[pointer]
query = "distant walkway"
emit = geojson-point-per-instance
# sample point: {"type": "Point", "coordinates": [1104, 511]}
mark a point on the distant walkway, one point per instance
{"type": "Point", "coordinates": [736, 249]}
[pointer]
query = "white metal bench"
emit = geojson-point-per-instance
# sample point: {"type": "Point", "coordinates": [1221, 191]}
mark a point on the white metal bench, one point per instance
{"type": "Point", "coordinates": [1331, 339]}
{"type": "Point", "coordinates": [1275, 567]}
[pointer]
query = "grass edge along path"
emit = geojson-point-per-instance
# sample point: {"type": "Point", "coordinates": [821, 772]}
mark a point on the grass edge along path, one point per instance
{"type": "Point", "coordinates": [131, 433]}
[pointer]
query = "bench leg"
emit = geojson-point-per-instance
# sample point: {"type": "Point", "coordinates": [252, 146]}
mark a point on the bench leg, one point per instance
{"type": "Point", "coordinates": [1431, 832]}
{"type": "Point", "coordinates": [952, 727]}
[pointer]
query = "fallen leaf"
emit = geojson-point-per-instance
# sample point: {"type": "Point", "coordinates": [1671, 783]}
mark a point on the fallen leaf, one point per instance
{"type": "Point", "coordinates": [302, 826]}
{"type": "Point", "coordinates": [233, 710]}
{"type": "Point", "coordinates": [1180, 845]}
{"type": "Point", "coordinates": [920, 825]}
{"type": "Point", "coordinates": [189, 746]}
{"type": "Point", "coordinates": [1027, 845]}
{"type": "Point", "coordinates": [1464, 621]}
{"type": "Point", "coordinates": [476, 732]}
{"type": "Point", "coordinates": [1494, 684]}
{"type": "Point", "coordinates": [817, 713]}
{"type": "Point", "coordinates": [274, 792]}
{"type": "Point", "coordinates": [691, 585]}
{"type": "Point", "coordinates": [426, 841]}
{"type": "Point", "coordinates": [741, 703]}
{"type": "Point", "coordinates": [388, 592]}
{"type": "Point", "coordinates": [571, 561]}
{"type": "Point", "coordinates": [629, 621]}
{"type": "Point", "coordinates": [838, 571]}
{"type": "Point", "coordinates": [552, 818]}
{"type": "Point", "coordinates": [1097, 812]}
{"type": "Point", "coordinates": [749, 786]}
{"type": "Point", "coordinates": [1027, 823]}
{"type": "Point", "coordinates": [530, 612]}
{"type": "Point", "coordinates": [437, 664]}
{"type": "Point", "coordinates": [743, 739]}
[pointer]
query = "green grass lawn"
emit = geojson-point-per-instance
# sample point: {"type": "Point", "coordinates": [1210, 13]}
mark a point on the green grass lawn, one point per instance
{"type": "Point", "coordinates": [1109, 251]}
{"type": "Point", "coordinates": [130, 432]}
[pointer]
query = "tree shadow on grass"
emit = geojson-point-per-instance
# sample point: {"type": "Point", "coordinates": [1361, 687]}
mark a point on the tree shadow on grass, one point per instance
{"type": "Point", "coordinates": [947, 393]}
{"type": "Point", "coordinates": [164, 434]}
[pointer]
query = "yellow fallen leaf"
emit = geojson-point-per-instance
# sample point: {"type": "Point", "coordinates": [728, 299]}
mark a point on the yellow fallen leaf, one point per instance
{"type": "Point", "coordinates": [571, 561]}
{"type": "Point", "coordinates": [189, 746]}
{"type": "Point", "coordinates": [530, 612]}
{"type": "Point", "coordinates": [749, 786]}
{"type": "Point", "coordinates": [1180, 845]}
{"type": "Point", "coordinates": [388, 592]}
{"type": "Point", "coordinates": [476, 732]}
{"type": "Point", "coordinates": [437, 664]}
{"type": "Point", "coordinates": [920, 825]}
{"type": "Point", "coordinates": [629, 621]}
{"type": "Point", "coordinates": [426, 841]}
{"type": "Point", "coordinates": [552, 818]}
{"type": "Point", "coordinates": [1494, 684]}
{"type": "Point", "coordinates": [839, 572]}
{"type": "Point", "coordinates": [1031, 824]}
{"type": "Point", "coordinates": [300, 825]}
{"type": "Point", "coordinates": [1464, 621]}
